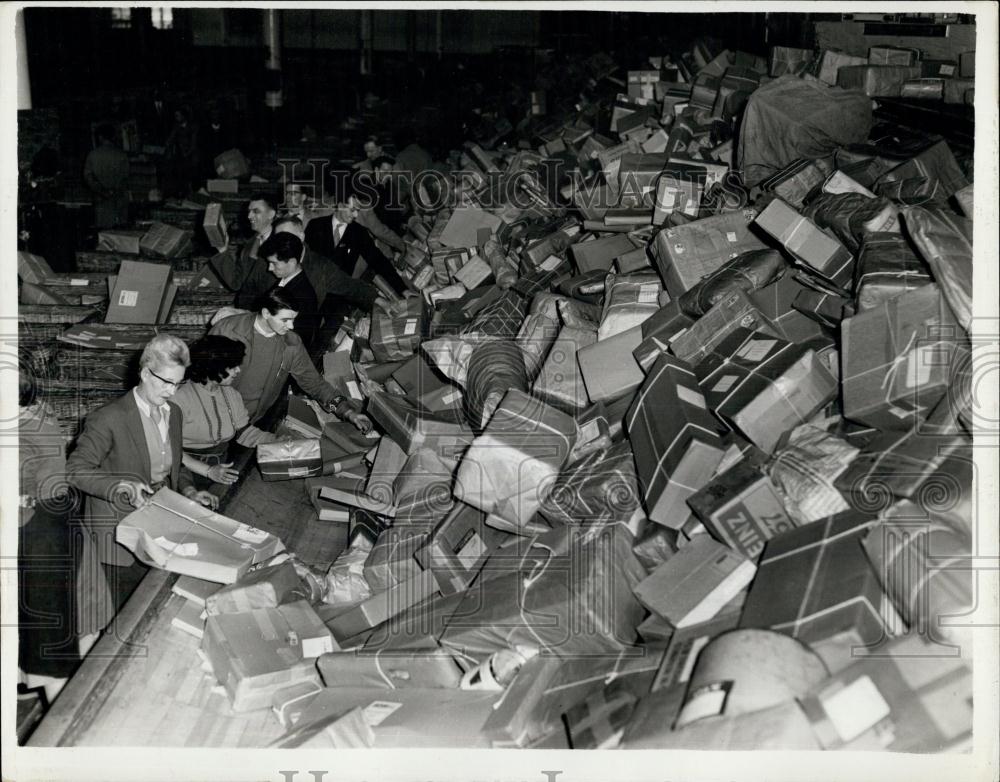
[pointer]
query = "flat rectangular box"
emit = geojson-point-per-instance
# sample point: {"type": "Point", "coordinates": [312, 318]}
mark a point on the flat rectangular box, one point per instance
{"type": "Point", "coordinates": [458, 547]}
{"type": "Point", "coordinates": [815, 581]}
{"type": "Point", "coordinates": [763, 386]}
{"type": "Point", "coordinates": [119, 241]}
{"type": "Point", "coordinates": [266, 587]}
{"type": "Point", "coordinates": [194, 590]}
{"type": "Point", "coordinates": [896, 359]}
{"type": "Point", "coordinates": [674, 439]}
{"type": "Point", "coordinates": [382, 606]}
{"type": "Point", "coordinates": [599, 253]}
{"type": "Point", "coordinates": [32, 268]}
{"type": "Point", "coordinates": [629, 299]}
{"type": "Point", "coordinates": [560, 381]}
{"type": "Point", "coordinates": [830, 63]}
{"type": "Point", "coordinates": [140, 293]}
{"type": "Point", "coordinates": [255, 653]}
{"type": "Point", "coordinates": [609, 369]}
{"type": "Point", "coordinates": [735, 310]}
{"type": "Point", "coordinates": [967, 65]}
{"type": "Point", "coordinates": [685, 254]}
{"type": "Point", "coordinates": [390, 562]}
{"type": "Point", "coordinates": [807, 243]}
{"type": "Point", "coordinates": [214, 224]}
{"type": "Point", "coordinates": [892, 55]}
{"type": "Point", "coordinates": [693, 585]}
{"type": "Point", "coordinates": [221, 550]}
{"type": "Point", "coordinates": [431, 668]}
{"type": "Point", "coordinates": [227, 186]}
{"type": "Point", "coordinates": [289, 459]}
{"type": "Point", "coordinates": [774, 302]}
{"type": "Point", "coordinates": [742, 509]}
{"type": "Point", "coordinates": [877, 81]}
{"type": "Point", "coordinates": [166, 241]}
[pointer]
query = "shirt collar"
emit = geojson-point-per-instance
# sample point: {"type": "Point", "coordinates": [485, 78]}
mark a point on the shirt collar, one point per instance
{"type": "Point", "coordinates": [144, 406]}
{"type": "Point", "coordinates": [285, 280]}
{"type": "Point", "coordinates": [257, 327]}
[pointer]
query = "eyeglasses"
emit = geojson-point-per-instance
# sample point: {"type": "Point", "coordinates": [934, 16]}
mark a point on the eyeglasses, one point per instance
{"type": "Point", "coordinates": [173, 383]}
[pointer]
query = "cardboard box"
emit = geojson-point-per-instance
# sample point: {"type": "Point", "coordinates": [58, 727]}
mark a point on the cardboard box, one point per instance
{"type": "Point", "coordinates": [674, 438]}
{"type": "Point", "coordinates": [266, 587]}
{"type": "Point", "coordinates": [633, 261]}
{"type": "Point", "coordinates": [395, 338]}
{"type": "Point", "coordinates": [289, 702]}
{"type": "Point", "coordinates": [380, 607]}
{"type": "Point", "coordinates": [658, 332]}
{"type": "Point", "coordinates": [763, 386]}
{"type": "Point", "coordinates": [214, 224]}
{"type": "Point", "coordinates": [32, 268]}
{"type": "Point", "coordinates": [809, 245]}
{"type": "Point", "coordinates": [629, 299]}
{"type": "Point", "coordinates": [257, 652]}
{"type": "Point", "coordinates": [907, 697]}
{"type": "Point", "coordinates": [830, 63]}
{"type": "Point", "coordinates": [685, 254]}
{"type": "Point", "coordinates": [957, 91]}
{"type": "Point", "coordinates": [413, 427]}
{"type": "Point", "coordinates": [458, 547]}
{"type": "Point", "coordinates": [608, 368]}
{"type": "Point", "coordinates": [223, 186]}
{"type": "Point", "coordinates": [177, 534]}
{"type": "Point", "coordinates": [391, 562]}
{"type": "Point", "coordinates": [680, 188]}
{"type": "Point", "coordinates": [892, 55]}
{"type": "Point", "coordinates": [896, 359]}
{"type": "Point", "coordinates": [141, 293]}
{"type": "Point", "coordinates": [119, 241]}
{"type": "Point", "coordinates": [887, 267]}
{"type": "Point", "coordinates": [796, 181]}
{"type": "Point", "coordinates": [506, 469]}
{"type": "Point", "coordinates": [741, 508]}
{"type": "Point", "coordinates": [463, 226]}
{"type": "Point", "coordinates": [194, 590]}
{"type": "Point", "coordinates": [787, 59]}
{"type": "Point", "coordinates": [397, 719]}
{"type": "Point", "coordinates": [599, 253]}
{"type": "Point", "coordinates": [190, 619]}
{"type": "Point", "coordinates": [599, 722]}
{"type": "Point", "coordinates": [735, 310]}
{"type": "Point", "coordinates": [693, 585]}
{"type": "Point", "coordinates": [166, 241]}
{"type": "Point", "coordinates": [431, 668]}
{"type": "Point", "coordinates": [877, 81]}
{"type": "Point", "coordinates": [775, 301]}
{"type": "Point", "coordinates": [475, 273]}
{"type": "Point", "coordinates": [815, 581]}
{"type": "Point", "coordinates": [823, 307]}
{"type": "Point", "coordinates": [931, 175]}
{"type": "Point", "coordinates": [580, 603]}
{"type": "Point", "coordinates": [687, 642]}
{"type": "Point", "coordinates": [231, 164]}
{"type": "Point", "coordinates": [289, 459]}
{"type": "Point", "coordinates": [595, 489]}
{"type": "Point", "coordinates": [560, 382]}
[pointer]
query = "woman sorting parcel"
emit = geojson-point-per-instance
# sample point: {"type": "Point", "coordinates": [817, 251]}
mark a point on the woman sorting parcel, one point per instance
{"type": "Point", "coordinates": [128, 450]}
{"type": "Point", "coordinates": [213, 411]}
{"type": "Point", "coordinates": [275, 352]}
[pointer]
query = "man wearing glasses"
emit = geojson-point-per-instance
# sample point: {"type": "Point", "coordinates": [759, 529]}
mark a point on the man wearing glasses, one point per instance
{"type": "Point", "coordinates": [129, 449]}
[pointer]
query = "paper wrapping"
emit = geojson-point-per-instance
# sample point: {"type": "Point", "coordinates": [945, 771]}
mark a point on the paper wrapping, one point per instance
{"type": "Point", "coordinates": [501, 318]}
{"type": "Point", "coordinates": [287, 459]}
{"type": "Point", "coordinates": [877, 81]}
{"type": "Point", "coordinates": [392, 338]}
{"type": "Point", "coordinates": [536, 337]}
{"type": "Point", "coordinates": [747, 272]}
{"type": "Point", "coordinates": [892, 55]}
{"type": "Point", "coordinates": [494, 367]}
{"type": "Point", "coordinates": [266, 587]}
{"type": "Point", "coordinates": [345, 580]}
{"type": "Point", "coordinates": [422, 490]}
{"type": "Point", "coordinates": [255, 653]}
{"type": "Point", "coordinates": [509, 469]}
{"type": "Point", "coordinates": [787, 59]}
{"type": "Point", "coordinates": [629, 300]}
{"type": "Point", "coordinates": [805, 469]}
{"type": "Point", "coordinates": [424, 669]}
{"type": "Point", "coordinates": [763, 386]}
{"type": "Point", "coordinates": [179, 535]}
{"type": "Point", "coordinates": [830, 63]}
{"type": "Point", "coordinates": [674, 439]}
{"type": "Point", "coordinates": [559, 382]}
{"type": "Point", "coordinates": [908, 697]}
{"type": "Point", "coordinates": [815, 581]}
{"type": "Point", "coordinates": [897, 359]}
{"type": "Point", "coordinates": [166, 241]}
{"type": "Point", "coordinates": [887, 267]}
{"type": "Point", "coordinates": [458, 547]}
{"type": "Point", "coordinates": [932, 175]}
{"type": "Point", "coordinates": [807, 243]}
{"type": "Point", "coordinates": [567, 593]}
{"type": "Point", "coordinates": [686, 253]}
{"type": "Point", "coordinates": [944, 241]}
{"type": "Point", "coordinates": [850, 216]}
{"type": "Point", "coordinates": [735, 310]}
{"type": "Point", "coordinates": [391, 561]}
{"type": "Point", "coordinates": [601, 488]}
{"type": "Point", "coordinates": [412, 427]}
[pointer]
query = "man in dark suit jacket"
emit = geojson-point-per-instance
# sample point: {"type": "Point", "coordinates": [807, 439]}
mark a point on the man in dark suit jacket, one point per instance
{"type": "Point", "coordinates": [344, 241]}
{"type": "Point", "coordinates": [122, 456]}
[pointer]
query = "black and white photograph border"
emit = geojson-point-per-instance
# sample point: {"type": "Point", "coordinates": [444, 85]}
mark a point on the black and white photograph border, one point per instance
{"type": "Point", "coordinates": [59, 757]}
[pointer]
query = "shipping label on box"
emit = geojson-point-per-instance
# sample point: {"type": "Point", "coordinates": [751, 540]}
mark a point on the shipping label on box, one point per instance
{"type": "Point", "coordinates": [764, 386]}
{"type": "Point", "coordinates": [139, 293]}
{"type": "Point", "coordinates": [458, 547]}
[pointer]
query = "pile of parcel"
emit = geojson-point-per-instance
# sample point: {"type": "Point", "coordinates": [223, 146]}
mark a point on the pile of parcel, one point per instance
{"type": "Point", "coordinates": [675, 453]}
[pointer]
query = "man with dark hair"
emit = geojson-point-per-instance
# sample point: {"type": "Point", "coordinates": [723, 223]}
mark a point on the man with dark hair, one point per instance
{"type": "Point", "coordinates": [275, 352]}
{"type": "Point", "coordinates": [283, 254]}
{"type": "Point", "coordinates": [342, 238]}
{"type": "Point", "coordinates": [105, 173]}
{"type": "Point", "coordinates": [233, 268]}
{"type": "Point", "coordinates": [392, 204]}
